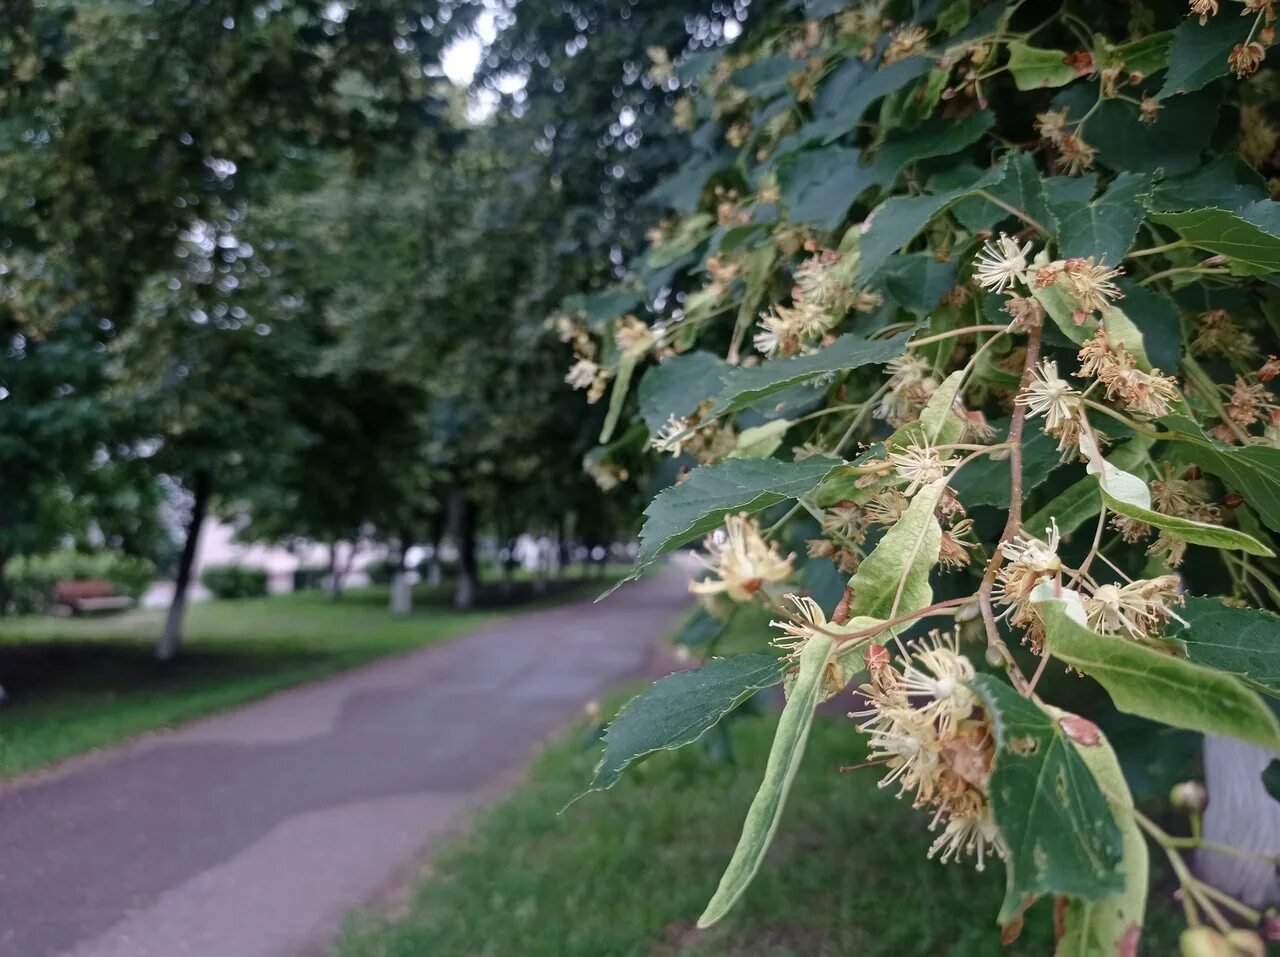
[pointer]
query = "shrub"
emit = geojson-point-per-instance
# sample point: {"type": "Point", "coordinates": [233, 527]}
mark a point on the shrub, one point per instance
{"type": "Point", "coordinates": [309, 576]}
{"type": "Point", "coordinates": [234, 581]}
{"type": "Point", "coordinates": [30, 579]}
{"type": "Point", "coordinates": [380, 572]}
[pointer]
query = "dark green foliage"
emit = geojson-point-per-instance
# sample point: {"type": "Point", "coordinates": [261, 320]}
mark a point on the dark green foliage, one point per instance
{"type": "Point", "coordinates": [234, 581]}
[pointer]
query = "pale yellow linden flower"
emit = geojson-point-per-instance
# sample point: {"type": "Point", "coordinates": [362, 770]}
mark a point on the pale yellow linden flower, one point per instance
{"type": "Point", "coordinates": [632, 336]}
{"type": "Point", "coordinates": [779, 334]}
{"type": "Point", "coordinates": [819, 280]}
{"type": "Point", "coordinates": [741, 560]}
{"type": "Point", "coordinates": [938, 673]}
{"type": "Point", "coordinates": [1001, 263]}
{"type": "Point", "coordinates": [906, 41]}
{"type": "Point", "coordinates": [1139, 609]}
{"type": "Point", "coordinates": [671, 437]}
{"type": "Point", "coordinates": [1048, 395]}
{"type": "Point", "coordinates": [908, 370]}
{"type": "Point", "coordinates": [844, 521]}
{"type": "Point", "coordinates": [1090, 282]}
{"type": "Point", "coordinates": [887, 506]}
{"type": "Point", "coordinates": [582, 373]}
{"type": "Point", "coordinates": [809, 620]}
{"type": "Point", "coordinates": [1027, 561]}
{"type": "Point", "coordinates": [974, 833]}
{"type": "Point", "coordinates": [919, 466]}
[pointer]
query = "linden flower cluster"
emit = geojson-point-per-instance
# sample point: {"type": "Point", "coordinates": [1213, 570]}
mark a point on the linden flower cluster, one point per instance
{"type": "Point", "coordinates": [1137, 610]}
{"type": "Point", "coordinates": [1027, 562]}
{"type": "Point", "coordinates": [1244, 58]}
{"type": "Point", "coordinates": [911, 385]}
{"type": "Point", "coordinates": [741, 561]}
{"type": "Point", "coordinates": [823, 293]}
{"type": "Point", "coordinates": [925, 727]}
{"type": "Point", "coordinates": [705, 441]}
{"type": "Point", "coordinates": [1003, 264]}
{"type": "Point", "coordinates": [1180, 497]}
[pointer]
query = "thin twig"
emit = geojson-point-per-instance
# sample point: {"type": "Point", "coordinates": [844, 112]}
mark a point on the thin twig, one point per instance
{"type": "Point", "coordinates": [1014, 522]}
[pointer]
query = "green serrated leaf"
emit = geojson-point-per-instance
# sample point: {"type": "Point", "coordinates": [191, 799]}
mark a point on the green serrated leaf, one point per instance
{"type": "Point", "coordinates": [1251, 470]}
{"type": "Point", "coordinates": [699, 504]}
{"type": "Point", "coordinates": [938, 137]}
{"type": "Point", "coordinates": [1244, 642]}
{"type": "Point", "coordinates": [1060, 832]}
{"type": "Point", "coordinates": [901, 562]}
{"type": "Point", "coordinates": [780, 770]}
{"type": "Point", "coordinates": [1199, 53]}
{"type": "Point", "coordinates": [1152, 684]}
{"type": "Point", "coordinates": [918, 281]}
{"type": "Point", "coordinates": [1104, 227]}
{"type": "Point", "coordinates": [897, 221]}
{"type": "Point", "coordinates": [1228, 182]}
{"type": "Point", "coordinates": [678, 710]}
{"type": "Point", "coordinates": [677, 387]}
{"type": "Point", "coordinates": [1034, 68]}
{"type": "Point", "coordinates": [1113, 924]}
{"type": "Point", "coordinates": [818, 186]}
{"type": "Point", "coordinates": [741, 387]}
{"type": "Point", "coordinates": [1247, 237]}
{"type": "Point", "coordinates": [1022, 188]}
{"type": "Point", "coordinates": [1147, 55]}
{"type": "Point", "coordinates": [847, 93]}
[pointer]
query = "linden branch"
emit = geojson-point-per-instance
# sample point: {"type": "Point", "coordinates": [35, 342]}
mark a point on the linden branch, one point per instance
{"type": "Point", "coordinates": [1014, 523]}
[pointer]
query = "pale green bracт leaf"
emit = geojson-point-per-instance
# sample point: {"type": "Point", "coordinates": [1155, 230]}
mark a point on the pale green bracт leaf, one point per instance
{"type": "Point", "coordinates": [780, 771]}
{"type": "Point", "coordinates": [678, 710]}
{"type": "Point", "coordinates": [1127, 494]}
{"type": "Point", "coordinates": [761, 441]}
{"type": "Point", "coordinates": [1034, 68]}
{"type": "Point", "coordinates": [1111, 925]}
{"type": "Point", "coordinates": [1060, 832]}
{"type": "Point", "coordinates": [903, 558]}
{"type": "Point", "coordinates": [1155, 685]}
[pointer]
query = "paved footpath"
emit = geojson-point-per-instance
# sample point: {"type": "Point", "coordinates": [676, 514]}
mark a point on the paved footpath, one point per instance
{"type": "Point", "coordinates": [251, 834]}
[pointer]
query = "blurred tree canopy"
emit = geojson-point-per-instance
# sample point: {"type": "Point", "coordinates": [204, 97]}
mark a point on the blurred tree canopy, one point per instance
{"type": "Point", "coordinates": [269, 254]}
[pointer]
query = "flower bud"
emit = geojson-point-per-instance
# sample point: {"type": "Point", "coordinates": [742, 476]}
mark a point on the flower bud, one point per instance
{"type": "Point", "coordinates": [1246, 943]}
{"type": "Point", "coordinates": [1189, 797]}
{"type": "Point", "coordinates": [1203, 942]}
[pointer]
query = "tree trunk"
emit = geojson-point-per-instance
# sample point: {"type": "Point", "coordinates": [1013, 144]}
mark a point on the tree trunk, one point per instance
{"type": "Point", "coordinates": [434, 573]}
{"type": "Point", "coordinates": [171, 640]}
{"type": "Point", "coordinates": [462, 512]}
{"type": "Point", "coordinates": [400, 601]}
{"type": "Point", "coordinates": [335, 572]}
{"type": "Point", "coordinates": [1242, 814]}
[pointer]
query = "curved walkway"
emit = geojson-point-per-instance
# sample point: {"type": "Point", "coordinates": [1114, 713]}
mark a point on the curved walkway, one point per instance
{"type": "Point", "coordinates": [251, 834]}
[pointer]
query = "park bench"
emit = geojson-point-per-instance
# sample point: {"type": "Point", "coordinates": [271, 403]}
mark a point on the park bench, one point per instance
{"type": "Point", "coordinates": [81, 597]}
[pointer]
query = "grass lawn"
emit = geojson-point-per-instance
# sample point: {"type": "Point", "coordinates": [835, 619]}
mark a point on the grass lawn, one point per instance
{"type": "Point", "coordinates": [626, 873]}
{"type": "Point", "coordinates": [79, 684]}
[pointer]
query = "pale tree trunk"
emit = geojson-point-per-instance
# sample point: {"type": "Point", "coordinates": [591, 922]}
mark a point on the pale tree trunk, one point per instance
{"type": "Point", "coordinates": [462, 513]}
{"type": "Point", "coordinates": [1242, 814]}
{"type": "Point", "coordinates": [171, 640]}
{"type": "Point", "coordinates": [401, 599]}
